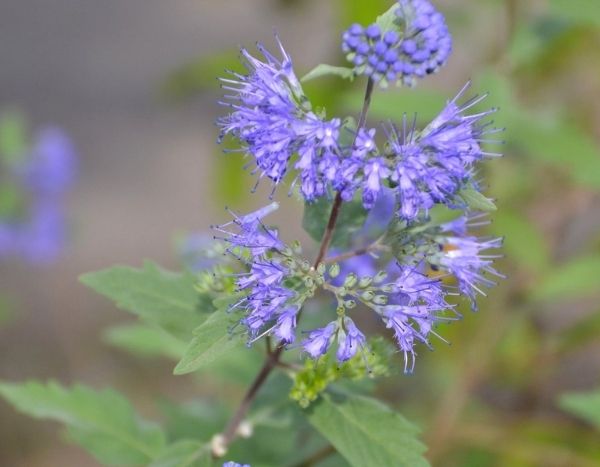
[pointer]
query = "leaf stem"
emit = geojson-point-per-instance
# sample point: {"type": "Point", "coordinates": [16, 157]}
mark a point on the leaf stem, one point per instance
{"type": "Point", "coordinates": [272, 358]}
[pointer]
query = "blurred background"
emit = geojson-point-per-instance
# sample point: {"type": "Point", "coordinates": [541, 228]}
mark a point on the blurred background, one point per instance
{"type": "Point", "coordinates": [133, 84]}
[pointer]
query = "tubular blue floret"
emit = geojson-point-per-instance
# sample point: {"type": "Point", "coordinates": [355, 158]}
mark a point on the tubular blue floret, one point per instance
{"type": "Point", "coordinates": [350, 340]}
{"type": "Point", "coordinates": [462, 257]}
{"type": "Point", "coordinates": [318, 341]}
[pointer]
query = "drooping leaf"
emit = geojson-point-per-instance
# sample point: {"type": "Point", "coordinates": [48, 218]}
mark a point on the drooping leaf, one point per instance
{"type": "Point", "coordinates": [324, 69]}
{"type": "Point", "coordinates": [351, 218]}
{"type": "Point", "coordinates": [366, 432]}
{"type": "Point", "coordinates": [185, 453]}
{"type": "Point", "coordinates": [157, 296]}
{"type": "Point", "coordinates": [585, 405]}
{"type": "Point", "coordinates": [103, 422]}
{"type": "Point", "coordinates": [576, 278]}
{"type": "Point", "coordinates": [476, 201]}
{"type": "Point", "coordinates": [146, 341]}
{"type": "Point", "coordinates": [211, 341]}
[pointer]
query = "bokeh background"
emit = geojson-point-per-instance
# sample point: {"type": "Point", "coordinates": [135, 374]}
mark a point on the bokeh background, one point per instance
{"type": "Point", "coordinates": [134, 85]}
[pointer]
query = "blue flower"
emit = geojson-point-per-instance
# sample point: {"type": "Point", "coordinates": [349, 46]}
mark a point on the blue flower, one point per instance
{"type": "Point", "coordinates": [318, 341]}
{"type": "Point", "coordinates": [271, 116]}
{"type": "Point", "coordinates": [421, 48]}
{"type": "Point", "coordinates": [462, 257]}
{"type": "Point", "coordinates": [350, 339]}
{"type": "Point", "coordinates": [252, 234]}
{"type": "Point", "coordinates": [37, 230]}
{"type": "Point", "coordinates": [431, 166]}
{"type": "Point", "coordinates": [235, 464]}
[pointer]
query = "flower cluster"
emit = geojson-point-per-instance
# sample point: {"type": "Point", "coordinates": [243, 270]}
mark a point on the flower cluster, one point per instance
{"type": "Point", "coordinates": [266, 301]}
{"type": "Point", "coordinates": [407, 273]}
{"type": "Point", "coordinates": [32, 224]}
{"type": "Point", "coordinates": [273, 119]}
{"type": "Point", "coordinates": [420, 46]}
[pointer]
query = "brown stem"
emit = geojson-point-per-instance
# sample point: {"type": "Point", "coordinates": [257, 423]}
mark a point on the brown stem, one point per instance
{"type": "Point", "coordinates": [317, 457]}
{"type": "Point", "coordinates": [273, 357]}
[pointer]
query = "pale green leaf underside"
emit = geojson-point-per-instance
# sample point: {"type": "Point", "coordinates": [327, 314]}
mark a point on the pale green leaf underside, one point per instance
{"type": "Point", "coordinates": [103, 422]}
{"type": "Point", "coordinates": [583, 405]}
{"type": "Point", "coordinates": [329, 70]}
{"type": "Point", "coordinates": [366, 432]}
{"type": "Point", "coordinates": [476, 201]}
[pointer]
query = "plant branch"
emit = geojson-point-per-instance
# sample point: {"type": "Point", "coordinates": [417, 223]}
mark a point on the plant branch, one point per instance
{"type": "Point", "coordinates": [223, 441]}
{"type": "Point", "coordinates": [317, 457]}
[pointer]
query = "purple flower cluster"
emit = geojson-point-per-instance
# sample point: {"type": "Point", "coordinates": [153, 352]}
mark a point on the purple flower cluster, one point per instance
{"type": "Point", "coordinates": [272, 118]}
{"type": "Point", "coordinates": [235, 464]}
{"type": "Point", "coordinates": [420, 46]}
{"type": "Point", "coordinates": [431, 166]}
{"type": "Point", "coordinates": [266, 300]}
{"type": "Point", "coordinates": [37, 231]}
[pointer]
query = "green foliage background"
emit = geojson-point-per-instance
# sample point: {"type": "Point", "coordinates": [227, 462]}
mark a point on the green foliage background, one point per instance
{"type": "Point", "coordinates": [519, 385]}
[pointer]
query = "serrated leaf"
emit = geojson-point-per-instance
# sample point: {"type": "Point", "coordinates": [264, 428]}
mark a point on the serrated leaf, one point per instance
{"type": "Point", "coordinates": [585, 405]}
{"type": "Point", "coordinates": [476, 201]}
{"type": "Point", "coordinates": [157, 296]}
{"type": "Point", "coordinates": [351, 218]}
{"type": "Point", "coordinates": [146, 341]}
{"type": "Point", "coordinates": [211, 341]}
{"type": "Point", "coordinates": [574, 279]}
{"type": "Point", "coordinates": [366, 432]}
{"type": "Point", "coordinates": [185, 453]}
{"type": "Point", "coordinates": [103, 422]}
{"type": "Point", "coordinates": [324, 69]}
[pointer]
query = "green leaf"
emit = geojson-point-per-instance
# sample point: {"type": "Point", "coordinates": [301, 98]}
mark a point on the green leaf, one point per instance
{"type": "Point", "coordinates": [157, 296]}
{"type": "Point", "coordinates": [13, 137]}
{"type": "Point", "coordinates": [103, 422]}
{"type": "Point", "coordinates": [583, 405]}
{"type": "Point", "coordinates": [523, 242]}
{"type": "Point", "coordinates": [351, 218]}
{"type": "Point", "coordinates": [211, 341]}
{"type": "Point", "coordinates": [329, 70]}
{"type": "Point", "coordinates": [389, 21]}
{"type": "Point", "coordinates": [476, 201]}
{"type": "Point", "coordinates": [576, 278]}
{"type": "Point", "coordinates": [580, 11]}
{"type": "Point", "coordinates": [366, 432]}
{"type": "Point", "coordinates": [185, 453]}
{"type": "Point", "coordinates": [146, 341]}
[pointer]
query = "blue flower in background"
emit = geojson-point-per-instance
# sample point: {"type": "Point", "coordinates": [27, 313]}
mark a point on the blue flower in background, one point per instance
{"type": "Point", "coordinates": [38, 179]}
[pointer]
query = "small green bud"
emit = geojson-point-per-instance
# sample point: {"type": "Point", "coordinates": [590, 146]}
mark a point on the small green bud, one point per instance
{"type": "Point", "coordinates": [389, 288]}
{"type": "Point", "coordinates": [340, 310]}
{"type": "Point", "coordinates": [350, 280]}
{"type": "Point", "coordinates": [334, 270]}
{"type": "Point", "coordinates": [365, 282]}
{"type": "Point", "coordinates": [380, 299]}
{"type": "Point", "coordinates": [305, 266]}
{"type": "Point", "coordinates": [309, 282]}
{"type": "Point", "coordinates": [367, 296]}
{"type": "Point", "coordinates": [321, 268]}
{"type": "Point", "coordinates": [296, 247]}
{"type": "Point", "coordinates": [380, 277]}
{"type": "Point", "coordinates": [349, 304]}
